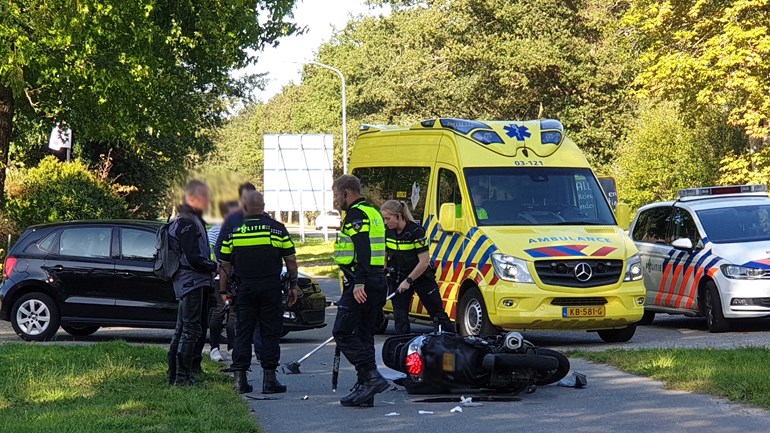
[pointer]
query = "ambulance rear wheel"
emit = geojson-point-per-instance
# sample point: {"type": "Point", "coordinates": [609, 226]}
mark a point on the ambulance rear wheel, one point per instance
{"type": "Point", "coordinates": [473, 318]}
{"type": "Point", "coordinates": [712, 309]}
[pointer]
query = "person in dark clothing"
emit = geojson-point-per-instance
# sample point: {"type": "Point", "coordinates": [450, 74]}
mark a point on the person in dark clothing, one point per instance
{"type": "Point", "coordinates": [407, 255]}
{"type": "Point", "coordinates": [256, 250]}
{"type": "Point", "coordinates": [192, 283]}
{"type": "Point", "coordinates": [360, 253]}
{"type": "Point", "coordinates": [219, 311]}
{"type": "Point", "coordinates": [233, 221]}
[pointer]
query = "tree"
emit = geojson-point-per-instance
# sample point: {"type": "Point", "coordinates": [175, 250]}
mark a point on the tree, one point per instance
{"type": "Point", "coordinates": [661, 154]}
{"type": "Point", "coordinates": [142, 76]}
{"type": "Point", "coordinates": [706, 54]}
{"type": "Point", "coordinates": [479, 59]}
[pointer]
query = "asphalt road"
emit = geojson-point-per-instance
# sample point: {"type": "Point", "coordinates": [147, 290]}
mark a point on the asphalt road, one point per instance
{"type": "Point", "coordinates": [612, 402]}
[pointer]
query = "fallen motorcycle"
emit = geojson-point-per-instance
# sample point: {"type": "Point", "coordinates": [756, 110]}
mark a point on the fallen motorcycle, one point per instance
{"type": "Point", "coordinates": [439, 362]}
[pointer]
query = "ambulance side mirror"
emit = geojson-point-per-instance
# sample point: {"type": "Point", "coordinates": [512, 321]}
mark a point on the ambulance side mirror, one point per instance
{"type": "Point", "coordinates": [623, 215]}
{"type": "Point", "coordinates": [447, 217]}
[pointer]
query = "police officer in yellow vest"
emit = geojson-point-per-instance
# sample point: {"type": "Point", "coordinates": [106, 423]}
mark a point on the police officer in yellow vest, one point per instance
{"type": "Point", "coordinates": [360, 253]}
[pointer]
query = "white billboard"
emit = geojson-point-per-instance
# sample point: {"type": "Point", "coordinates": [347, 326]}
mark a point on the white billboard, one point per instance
{"type": "Point", "coordinates": [298, 172]}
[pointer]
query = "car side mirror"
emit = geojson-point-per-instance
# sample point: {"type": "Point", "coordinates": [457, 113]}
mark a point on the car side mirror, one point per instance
{"type": "Point", "coordinates": [682, 244]}
{"type": "Point", "coordinates": [447, 217]}
{"type": "Point", "coordinates": [623, 215]}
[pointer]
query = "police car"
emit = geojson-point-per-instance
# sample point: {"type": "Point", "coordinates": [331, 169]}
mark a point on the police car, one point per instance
{"type": "Point", "coordinates": [707, 254]}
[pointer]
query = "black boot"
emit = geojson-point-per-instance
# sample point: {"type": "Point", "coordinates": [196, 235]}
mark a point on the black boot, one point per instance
{"type": "Point", "coordinates": [270, 384]}
{"type": "Point", "coordinates": [373, 383]}
{"type": "Point", "coordinates": [348, 399]}
{"type": "Point", "coordinates": [171, 372]}
{"type": "Point", "coordinates": [242, 382]}
{"type": "Point", "coordinates": [184, 359]}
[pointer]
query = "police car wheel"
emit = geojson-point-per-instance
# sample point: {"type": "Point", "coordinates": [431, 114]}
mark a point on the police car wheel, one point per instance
{"type": "Point", "coordinates": [712, 309]}
{"type": "Point", "coordinates": [473, 315]}
{"type": "Point", "coordinates": [647, 319]}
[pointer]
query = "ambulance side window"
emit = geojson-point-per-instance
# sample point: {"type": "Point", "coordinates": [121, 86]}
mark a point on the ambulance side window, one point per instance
{"type": "Point", "coordinates": [449, 191]}
{"type": "Point", "coordinates": [409, 184]}
{"type": "Point", "coordinates": [652, 225]}
{"type": "Point", "coordinates": [684, 227]}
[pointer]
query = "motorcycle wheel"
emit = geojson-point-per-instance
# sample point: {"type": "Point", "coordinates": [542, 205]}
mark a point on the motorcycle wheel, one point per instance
{"type": "Point", "coordinates": [552, 376]}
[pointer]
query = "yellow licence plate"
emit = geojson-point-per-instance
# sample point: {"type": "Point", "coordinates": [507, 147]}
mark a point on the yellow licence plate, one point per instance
{"type": "Point", "coordinates": [582, 312]}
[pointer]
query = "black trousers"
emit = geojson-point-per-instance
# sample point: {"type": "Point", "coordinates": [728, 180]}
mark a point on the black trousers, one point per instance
{"type": "Point", "coordinates": [217, 322]}
{"type": "Point", "coordinates": [427, 290]}
{"type": "Point", "coordinates": [258, 302]}
{"type": "Point", "coordinates": [189, 329]}
{"type": "Point", "coordinates": [355, 323]}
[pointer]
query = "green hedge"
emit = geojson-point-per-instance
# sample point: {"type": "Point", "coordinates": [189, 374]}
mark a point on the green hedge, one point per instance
{"type": "Point", "coordinates": [58, 191]}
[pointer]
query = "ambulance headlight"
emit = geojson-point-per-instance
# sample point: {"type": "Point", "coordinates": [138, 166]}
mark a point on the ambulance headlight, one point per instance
{"type": "Point", "coordinates": [510, 268]}
{"type": "Point", "coordinates": [633, 269]}
{"type": "Point", "coordinates": [744, 272]}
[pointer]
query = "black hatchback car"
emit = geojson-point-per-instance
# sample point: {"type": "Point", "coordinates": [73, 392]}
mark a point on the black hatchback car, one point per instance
{"type": "Point", "coordinates": [84, 275]}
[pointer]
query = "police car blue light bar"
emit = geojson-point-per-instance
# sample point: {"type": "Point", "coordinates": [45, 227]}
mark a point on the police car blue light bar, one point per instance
{"type": "Point", "coordinates": [721, 190]}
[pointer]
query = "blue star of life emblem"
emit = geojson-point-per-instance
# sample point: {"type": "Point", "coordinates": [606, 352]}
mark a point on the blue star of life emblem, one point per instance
{"type": "Point", "coordinates": [517, 132]}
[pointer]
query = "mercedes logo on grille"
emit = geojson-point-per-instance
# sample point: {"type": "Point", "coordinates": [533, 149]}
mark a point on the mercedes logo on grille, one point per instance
{"type": "Point", "coordinates": [583, 272]}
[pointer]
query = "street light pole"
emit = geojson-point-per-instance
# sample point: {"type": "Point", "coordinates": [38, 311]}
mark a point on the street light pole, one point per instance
{"type": "Point", "coordinates": [344, 115]}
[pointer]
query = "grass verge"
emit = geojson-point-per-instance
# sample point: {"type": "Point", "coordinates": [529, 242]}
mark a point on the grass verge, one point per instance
{"type": "Point", "coordinates": [110, 387]}
{"type": "Point", "coordinates": [740, 375]}
{"type": "Point", "coordinates": [316, 257]}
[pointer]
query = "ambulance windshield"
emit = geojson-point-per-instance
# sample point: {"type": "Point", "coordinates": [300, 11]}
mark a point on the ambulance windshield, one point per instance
{"type": "Point", "coordinates": [727, 225]}
{"type": "Point", "coordinates": [514, 196]}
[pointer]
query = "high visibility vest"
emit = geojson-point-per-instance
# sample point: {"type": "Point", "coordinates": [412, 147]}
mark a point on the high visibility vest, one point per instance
{"type": "Point", "coordinates": [344, 250]}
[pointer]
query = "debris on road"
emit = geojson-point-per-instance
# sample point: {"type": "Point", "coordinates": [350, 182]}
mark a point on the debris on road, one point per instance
{"type": "Point", "coordinates": [456, 409]}
{"type": "Point", "coordinates": [575, 380]}
{"type": "Point", "coordinates": [425, 412]}
{"type": "Point", "coordinates": [392, 414]}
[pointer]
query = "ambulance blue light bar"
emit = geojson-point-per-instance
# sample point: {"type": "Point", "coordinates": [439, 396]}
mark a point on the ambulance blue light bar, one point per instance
{"type": "Point", "coordinates": [551, 131]}
{"type": "Point", "coordinates": [721, 190]}
{"type": "Point", "coordinates": [461, 125]}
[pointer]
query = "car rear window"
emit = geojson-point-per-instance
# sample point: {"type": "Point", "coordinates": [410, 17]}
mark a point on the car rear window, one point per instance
{"type": "Point", "coordinates": [41, 246]}
{"type": "Point", "coordinates": [736, 224]}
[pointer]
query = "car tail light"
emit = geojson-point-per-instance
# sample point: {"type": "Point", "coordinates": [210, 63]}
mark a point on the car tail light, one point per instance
{"type": "Point", "coordinates": [414, 364]}
{"type": "Point", "coordinates": [10, 262]}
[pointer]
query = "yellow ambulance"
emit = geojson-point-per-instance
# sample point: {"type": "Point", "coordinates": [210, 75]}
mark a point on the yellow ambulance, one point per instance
{"type": "Point", "coordinates": [520, 231]}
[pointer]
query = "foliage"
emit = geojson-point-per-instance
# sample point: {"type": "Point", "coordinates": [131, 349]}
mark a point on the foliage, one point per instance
{"type": "Point", "coordinates": [661, 154]}
{"type": "Point", "coordinates": [751, 168]}
{"type": "Point", "coordinates": [705, 54]}
{"type": "Point", "coordinates": [237, 150]}
{"type": "Point", "coordinates": [111, 387]}
{"type": "Point", "coordinates": [143, 77]}
{"type": "Point", "coordinates": [57, 191]}
{"type": "Point", "coordinates": [474, 59]}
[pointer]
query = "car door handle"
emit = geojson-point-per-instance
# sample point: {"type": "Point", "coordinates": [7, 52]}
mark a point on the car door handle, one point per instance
{"type": "Point", "coordinates": [57, 268]}
{"type": "Point", "coordinates": [124, 274]}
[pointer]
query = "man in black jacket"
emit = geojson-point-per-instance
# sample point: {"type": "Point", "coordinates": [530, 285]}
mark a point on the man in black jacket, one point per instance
{"type": "Point", "coordinates": [192, 282]}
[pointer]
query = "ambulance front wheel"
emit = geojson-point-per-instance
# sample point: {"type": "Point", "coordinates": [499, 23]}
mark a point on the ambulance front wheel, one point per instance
{"type": "Point", "coordinates": [617, 335]}
{"type": "Point", "coordinates": [473, 318]}
{"type": "Point", "coordinates": [712, 309]}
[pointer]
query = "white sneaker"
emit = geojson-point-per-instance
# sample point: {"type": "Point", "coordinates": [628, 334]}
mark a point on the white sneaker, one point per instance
{"type": "Point", "coordinates": [215, 355]}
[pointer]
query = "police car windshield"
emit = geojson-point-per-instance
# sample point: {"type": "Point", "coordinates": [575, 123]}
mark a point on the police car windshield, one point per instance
{"type": "Point", "coordinates": [736, 224]}
{"type": "Point", "coordinates": [536, 196]}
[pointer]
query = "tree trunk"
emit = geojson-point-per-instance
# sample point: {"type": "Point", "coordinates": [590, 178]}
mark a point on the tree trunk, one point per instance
{"type": "Point", "coordinates": [6, 128]}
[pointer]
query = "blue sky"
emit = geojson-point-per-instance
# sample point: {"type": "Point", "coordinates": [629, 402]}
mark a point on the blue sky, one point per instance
{"type": "Point", "coordinates": [322, 18]}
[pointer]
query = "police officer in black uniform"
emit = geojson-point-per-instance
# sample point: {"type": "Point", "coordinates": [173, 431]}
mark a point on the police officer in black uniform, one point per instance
{"type": "Point", "coordinates": [407, 256]}
{"type": "Point", "coordinates": [360, 253]}
{"type": "Point", "coordinates": [256, 250]}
